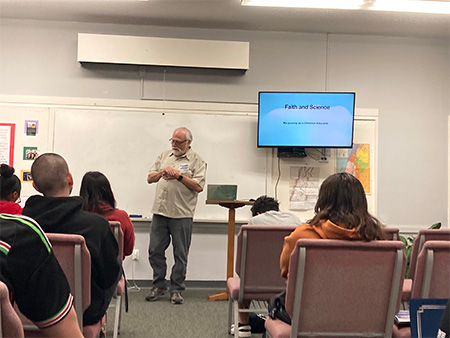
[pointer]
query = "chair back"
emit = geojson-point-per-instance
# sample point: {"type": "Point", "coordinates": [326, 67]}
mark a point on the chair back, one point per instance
{"type": "Point", "coordinates": [432, 275]}
{"type": "Point", "coordinates": [423, 236]}
{"type": "Point", "coordinates": [339, 288]}
{"type": "Point", "coordinates": [258, 260]}
{"type": "Point", "coordinates": [74, 258]}
{"type": "Point", "coordinates": [116, 302]}
{"type": "Point", "coordinates": [10, 324]}
{"type": "Point", "coordinates": [392, 234]}
{"type": "Point", "coordinates": [118, 235]}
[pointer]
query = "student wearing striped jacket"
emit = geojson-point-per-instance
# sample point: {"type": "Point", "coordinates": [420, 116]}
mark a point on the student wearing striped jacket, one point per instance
{"type": "Point", "coordinates": [34, 278]}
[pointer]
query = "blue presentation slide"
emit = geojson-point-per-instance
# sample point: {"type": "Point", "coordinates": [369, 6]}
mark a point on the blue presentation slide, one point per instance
{"type": "Point", "coordinates": [306, 119]}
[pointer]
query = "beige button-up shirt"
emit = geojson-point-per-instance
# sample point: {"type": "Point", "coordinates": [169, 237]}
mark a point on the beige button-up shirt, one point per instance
{"type": "Point", "coordinates": [172, 198]}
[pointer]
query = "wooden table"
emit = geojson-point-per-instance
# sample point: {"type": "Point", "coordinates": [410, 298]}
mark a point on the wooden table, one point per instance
{"type": "Point", "coordinates": [231, 206]}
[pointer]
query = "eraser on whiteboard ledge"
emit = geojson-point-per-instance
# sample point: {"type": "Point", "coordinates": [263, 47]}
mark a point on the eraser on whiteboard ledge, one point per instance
{"type": "Point", "coordinates": [135, 216]}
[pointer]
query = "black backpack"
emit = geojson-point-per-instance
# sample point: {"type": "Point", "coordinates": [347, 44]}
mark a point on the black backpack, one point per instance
{"type": "Point", "coordinates": [277, 308]}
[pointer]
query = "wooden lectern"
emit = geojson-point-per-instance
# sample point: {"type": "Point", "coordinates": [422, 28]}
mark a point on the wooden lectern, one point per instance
{"type": "Point", "coordinates": [231, 206]}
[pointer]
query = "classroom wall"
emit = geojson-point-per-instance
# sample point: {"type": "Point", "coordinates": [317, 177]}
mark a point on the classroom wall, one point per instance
{"type": "Point", "coordinates": [405, 78]}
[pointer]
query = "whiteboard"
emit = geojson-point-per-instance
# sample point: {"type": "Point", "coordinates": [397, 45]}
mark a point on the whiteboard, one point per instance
{"type": "Point", "coordinates": [124, 144]}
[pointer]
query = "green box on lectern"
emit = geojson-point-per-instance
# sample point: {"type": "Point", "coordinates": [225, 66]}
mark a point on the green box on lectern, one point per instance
{"type": "Point", "coordinates": [221, 192]}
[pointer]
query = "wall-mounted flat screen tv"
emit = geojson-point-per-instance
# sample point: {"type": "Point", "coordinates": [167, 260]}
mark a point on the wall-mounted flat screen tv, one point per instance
{"type": "Point", "coordinates": [305, 119]}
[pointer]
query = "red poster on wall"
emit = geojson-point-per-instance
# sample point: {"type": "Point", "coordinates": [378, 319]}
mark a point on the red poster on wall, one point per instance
{"type": "Point", "coordinates": [7, 131]}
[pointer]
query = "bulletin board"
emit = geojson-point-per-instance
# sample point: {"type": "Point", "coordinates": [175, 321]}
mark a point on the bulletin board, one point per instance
{"type": "Point", "coordinates": [33, 129]}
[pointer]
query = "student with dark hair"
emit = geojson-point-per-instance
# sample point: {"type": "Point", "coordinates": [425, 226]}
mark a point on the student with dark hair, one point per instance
{"type": "Point", "coordinates": [266, 211]}
{"type": "Point", "coordinates": [10, 187]}
{"type": "Point", "coordinates": [340, 213]}
{"type": "Point", "coordinates": [264, 203]}
{"type": "Point", "coordinates": [57, 212]}
{"type": "Point", "coordinates": [98, 197]}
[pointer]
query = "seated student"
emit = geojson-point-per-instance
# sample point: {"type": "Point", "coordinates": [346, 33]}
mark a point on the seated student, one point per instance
{"type": "Point", "coordinates": [34, 278]}
{"type": "Point", "coordinates": [10, 187]}
{"type": "Point", "coordinates": [98, 197]}
{"type": "Point", "coordinates": [340, 213]}
{"type": "Point", "coordinates": [266, 211]}
{"type": "Point", "coordinates": [57, 212]}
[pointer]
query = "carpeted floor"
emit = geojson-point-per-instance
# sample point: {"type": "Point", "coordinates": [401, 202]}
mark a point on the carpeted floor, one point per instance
{"type": "Point", "coordinates": [197, 317]}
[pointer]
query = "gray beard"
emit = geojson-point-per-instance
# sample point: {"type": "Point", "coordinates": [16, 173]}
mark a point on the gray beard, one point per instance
{"type": "Point", "coordinates": [177, 152]}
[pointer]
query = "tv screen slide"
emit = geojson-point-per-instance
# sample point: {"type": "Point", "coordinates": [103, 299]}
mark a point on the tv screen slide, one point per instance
{"type": "Point", "coordinates": [321, 120]}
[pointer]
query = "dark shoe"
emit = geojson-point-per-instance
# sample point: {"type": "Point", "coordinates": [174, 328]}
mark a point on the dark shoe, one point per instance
{"type": "Point", "coordinates": [155, 293]}
{"type": "Point", "coordinates": [257, 321]}
{"type": "Point", "coordinates": [176, 298]}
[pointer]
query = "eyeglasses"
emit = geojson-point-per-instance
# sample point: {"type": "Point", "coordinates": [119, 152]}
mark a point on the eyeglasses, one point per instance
{"type": "Point", "coordinates": [177, 142]}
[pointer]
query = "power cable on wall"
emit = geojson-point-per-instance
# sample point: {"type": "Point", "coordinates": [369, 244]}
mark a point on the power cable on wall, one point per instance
{"type": "Point", "coordinates": [132, 286]}
{"type": "Point", "coordinates": [278, 179]}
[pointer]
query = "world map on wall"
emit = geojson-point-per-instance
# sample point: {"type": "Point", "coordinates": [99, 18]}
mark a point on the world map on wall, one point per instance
{"type": "Point", "coordinates": [355, 161]}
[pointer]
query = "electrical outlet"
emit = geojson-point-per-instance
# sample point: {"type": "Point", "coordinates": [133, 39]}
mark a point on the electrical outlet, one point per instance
{"type": "Point", "coordinates": [135, 255]}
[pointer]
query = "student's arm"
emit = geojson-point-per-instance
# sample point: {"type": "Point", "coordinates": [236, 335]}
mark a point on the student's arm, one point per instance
{"type": "Point", "coordinates": [301, 231]}
{"type": "Point", "coordinates": [65, 328]}
{"type": "Point", "coordinates": [288, 247]}
{"type": "Point", "coordinates": [128, 233]}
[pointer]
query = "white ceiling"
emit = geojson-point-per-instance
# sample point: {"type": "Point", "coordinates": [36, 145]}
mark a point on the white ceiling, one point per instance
{"type": "Point", "coordinates": [229, 14]}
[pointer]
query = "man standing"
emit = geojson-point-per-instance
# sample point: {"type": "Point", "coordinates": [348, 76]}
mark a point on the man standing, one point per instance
{"type": "Point", "coordinates": [57, 212]}
{"type": "Point", "coordinates": [180, 173]}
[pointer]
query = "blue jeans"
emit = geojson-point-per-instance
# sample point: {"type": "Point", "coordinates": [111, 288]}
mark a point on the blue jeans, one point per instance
{"type": "Point", "coordinates": [163, 229]}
